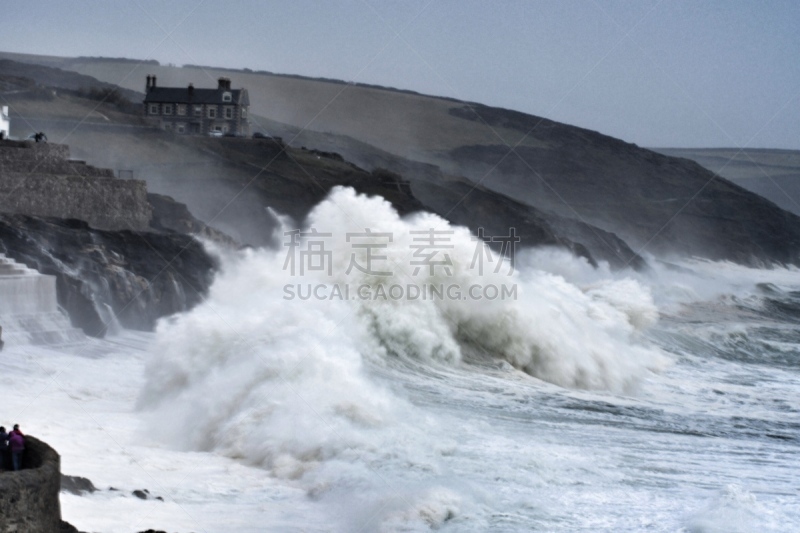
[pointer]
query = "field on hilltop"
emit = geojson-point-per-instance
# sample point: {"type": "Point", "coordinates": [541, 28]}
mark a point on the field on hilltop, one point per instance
{"type": "Point", "coordinates": [400, 122]}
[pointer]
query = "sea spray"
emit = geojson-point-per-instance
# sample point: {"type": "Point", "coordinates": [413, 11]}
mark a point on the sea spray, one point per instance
{"type": "Point", "coordinates": [286, 383]}
{"type": "Point", "coordinates": [550, 328]}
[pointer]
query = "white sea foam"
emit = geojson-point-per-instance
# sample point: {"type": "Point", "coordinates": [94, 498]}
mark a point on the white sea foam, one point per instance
{"type": "Point", "coordinates": [379, 415]}
{"type": "Point", "coordinates": [281, 382]}
{"type": "Point", "coordinates": [732, 510]}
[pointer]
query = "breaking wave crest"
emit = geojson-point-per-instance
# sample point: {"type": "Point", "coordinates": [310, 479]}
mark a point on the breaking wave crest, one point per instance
{"type": "Point", "coordinates": [285, 383]}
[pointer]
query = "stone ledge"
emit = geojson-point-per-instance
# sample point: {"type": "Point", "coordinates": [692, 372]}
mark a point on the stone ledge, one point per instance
{"type": "Point", "coordinates": [29, 498]}
{"type": "Point", "coordinates": [40, 180]}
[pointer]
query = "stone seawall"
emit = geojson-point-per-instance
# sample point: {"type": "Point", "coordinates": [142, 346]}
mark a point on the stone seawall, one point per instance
{"type": "Point", "coordinates": [40, 180]}
{"type": "Point", "coordinates": [29, 498]}
{"type": "Point", "coordinates": [104, 203]}
{"type": "Point", "coordinates": [43, 158]}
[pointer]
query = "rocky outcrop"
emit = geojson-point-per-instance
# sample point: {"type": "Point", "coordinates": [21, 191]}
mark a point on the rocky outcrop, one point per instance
{"type": "Point", "coordinates": [77, 485]}
{"type": "Point", "coordinates": [171, 215]}
{"type": "Point", "coordinates": [29, 498]}
{"type": "Point", "coordinates": [31, 158]}
{"type": "Point", "coordinates": [105, 277]}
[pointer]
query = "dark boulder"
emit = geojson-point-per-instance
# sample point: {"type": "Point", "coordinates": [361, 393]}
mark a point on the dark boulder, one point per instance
{"type": "Point", "coordinates": [76, 485]}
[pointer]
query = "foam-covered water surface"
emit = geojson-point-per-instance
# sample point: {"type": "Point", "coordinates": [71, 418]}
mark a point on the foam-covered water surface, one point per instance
{"type": "Point", "coordinates": [593, 401]}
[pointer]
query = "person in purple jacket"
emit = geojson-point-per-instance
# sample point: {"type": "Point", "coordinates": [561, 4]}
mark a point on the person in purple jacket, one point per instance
{"type": "Point", "coordinates": [16, 443]}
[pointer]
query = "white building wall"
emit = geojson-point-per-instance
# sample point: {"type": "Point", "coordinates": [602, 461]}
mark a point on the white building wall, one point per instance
{"type": "Point", "coordinates": [5, 122]}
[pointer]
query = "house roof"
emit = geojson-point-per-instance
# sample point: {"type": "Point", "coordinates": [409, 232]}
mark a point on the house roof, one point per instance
{"type": "Point", "coordinates": [182, 95]}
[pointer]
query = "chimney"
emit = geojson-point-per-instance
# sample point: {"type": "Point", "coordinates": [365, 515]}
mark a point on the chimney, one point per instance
{"type": "Point", "coordinates": [191, 89]}
{"type": "Point", "coordinates": [228, 84]}
{"type": "Point", "coordinates": [154, 82]}
{"type": "Point", "coordinates": [221, 85]}
{"type": "Point", "coordinates": [147, 87]}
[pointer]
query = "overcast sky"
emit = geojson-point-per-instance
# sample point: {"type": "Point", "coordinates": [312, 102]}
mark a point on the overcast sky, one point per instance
{"type": "Point", "coordinates": [657, 73]}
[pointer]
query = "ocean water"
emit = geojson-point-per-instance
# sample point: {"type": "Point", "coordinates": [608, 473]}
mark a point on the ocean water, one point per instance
{"type": "Point", "coordinates": [592, 401]}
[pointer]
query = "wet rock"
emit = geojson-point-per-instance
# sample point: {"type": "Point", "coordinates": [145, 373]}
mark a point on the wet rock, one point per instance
{"type": "Point", "coordinates": [77, 485]}
{"type": "Point", "coordinates": [102, 276]}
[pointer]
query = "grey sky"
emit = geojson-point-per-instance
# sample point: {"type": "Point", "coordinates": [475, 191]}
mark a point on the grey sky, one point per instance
{"type": "Point", "coordinates": [657, 73]}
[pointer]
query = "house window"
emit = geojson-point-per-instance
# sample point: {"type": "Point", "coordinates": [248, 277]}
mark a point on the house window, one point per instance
{"type": "Point", "coordinates": [226, 97]}
{"type": "Point", "coordinates": [181, 109]}
{"type": "Point", "coordinates": [167, 109]}
{"type": "Point", "coordinates": [212, 112]}
{"type": "Point", "coordinates": [154, 109]}
{"type": "Point", "coordinates": [181, 128]}
{"type": "Point", "coordinates": [198, 111]}
{"type": "Point", "coordinates": [228, 112]}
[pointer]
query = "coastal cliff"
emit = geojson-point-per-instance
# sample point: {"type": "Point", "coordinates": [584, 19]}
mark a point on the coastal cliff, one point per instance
{"type": "Point", "coordinates": [118, 261]}
{"type": "Point", "coordinates": [107, 277]}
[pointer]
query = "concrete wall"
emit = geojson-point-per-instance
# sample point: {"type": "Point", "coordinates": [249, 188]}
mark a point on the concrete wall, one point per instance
{"type": "Point", "coordinates": [44, 158]}
{"type": "Point", "coordinates": [39, 179]}
{"type": "Point", "coordinates": [5, 122]}
{"type": "Point", "coordinates": [29, 498]}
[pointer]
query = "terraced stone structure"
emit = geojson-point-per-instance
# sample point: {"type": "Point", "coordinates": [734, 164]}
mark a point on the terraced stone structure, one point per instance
{"type": "Point", "coordinates": [29, 498]}
{"type": "Point", "coordinates": [40, 179]}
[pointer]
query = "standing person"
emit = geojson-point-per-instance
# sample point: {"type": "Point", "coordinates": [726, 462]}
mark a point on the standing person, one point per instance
{"type": "Point", "coordinates": [16, 442]}
{"type": "Point", "coordinates": [5, 460]}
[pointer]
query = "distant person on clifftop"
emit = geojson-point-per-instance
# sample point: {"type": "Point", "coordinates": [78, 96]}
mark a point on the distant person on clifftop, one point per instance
{"type": "Point", "coordinates": [16, 442]}
{"type": "Point", "coordinates": [40, 137]}
{"type": "Point", "coordinates": [5, 459]}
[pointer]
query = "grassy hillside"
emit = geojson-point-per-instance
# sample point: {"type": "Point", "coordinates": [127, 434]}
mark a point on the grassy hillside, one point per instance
{"type": "Point", "coordinates": [230, 182]}
{"type": "Point", "coordinates": [656, 203]}
{"type": "Point", "coordinates": [406, 124]}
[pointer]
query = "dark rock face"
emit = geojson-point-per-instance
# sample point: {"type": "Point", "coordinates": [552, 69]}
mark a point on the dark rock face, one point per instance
{"type": "Point", "coordinates": [66, 527]}
{"type": "Point", "coordinates": [173, 216]}
{"type": "Point", "coordinates": [29, 498]}
{"type": "Point", "coordinates": [294, 181]}
{"type": "Point", "coordinates": [137, 276]}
